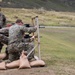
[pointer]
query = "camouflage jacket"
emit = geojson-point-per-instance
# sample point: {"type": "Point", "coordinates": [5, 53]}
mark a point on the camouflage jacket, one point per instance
{"type": "Point", "coordinates": [16, 32]}
{"type": "Point", "coordinates": [4, 31]}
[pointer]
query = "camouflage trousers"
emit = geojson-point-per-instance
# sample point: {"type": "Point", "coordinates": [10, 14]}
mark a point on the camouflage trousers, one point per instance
{"type": "Point", "coordinates": [3, 40]}
{"type": "Point", "coordinates": [15, 49]}
{"type": "Point", "coordinates": [1, 45]}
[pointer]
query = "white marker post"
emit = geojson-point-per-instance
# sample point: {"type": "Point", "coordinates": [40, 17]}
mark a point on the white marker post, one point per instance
{"type": "Point", "coordinates": [37, 23]}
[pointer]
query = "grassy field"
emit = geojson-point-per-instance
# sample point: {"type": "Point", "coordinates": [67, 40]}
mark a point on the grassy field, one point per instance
{"type": "Point", "coordinates": [51, 18]}
{"type": "Point", "coordinates": [57, 44]}
{"type": "Point", "coordinates": [58, 50]}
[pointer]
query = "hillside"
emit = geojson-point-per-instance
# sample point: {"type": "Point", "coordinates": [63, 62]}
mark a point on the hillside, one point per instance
{"type": "Point", "coordinates": [31, 8]}
{"type": "Point", "coordinates": [57, 5]}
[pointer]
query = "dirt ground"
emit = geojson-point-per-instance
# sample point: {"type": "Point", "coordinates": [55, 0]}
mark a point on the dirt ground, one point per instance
{"type": "Point", "coordinates": [32, 71]}
{"type": "Point", "coordinates": [47, 70]}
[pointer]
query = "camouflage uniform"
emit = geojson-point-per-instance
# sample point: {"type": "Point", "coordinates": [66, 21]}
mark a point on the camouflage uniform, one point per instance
{"type": "Point", "coordinates": [16, 43]}
{"type": "Point", "coordinates": [3, 37]}
{"type": "Point", "coordinates": [2, 24]}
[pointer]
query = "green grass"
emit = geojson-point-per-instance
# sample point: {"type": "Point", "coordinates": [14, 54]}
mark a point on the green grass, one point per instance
{"type": "Point", "coordinates": [54, 40]}
{"type": "Point", "coordinates": [58, 48]}
{"type": "Point", "coordinates": [57, 44]}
